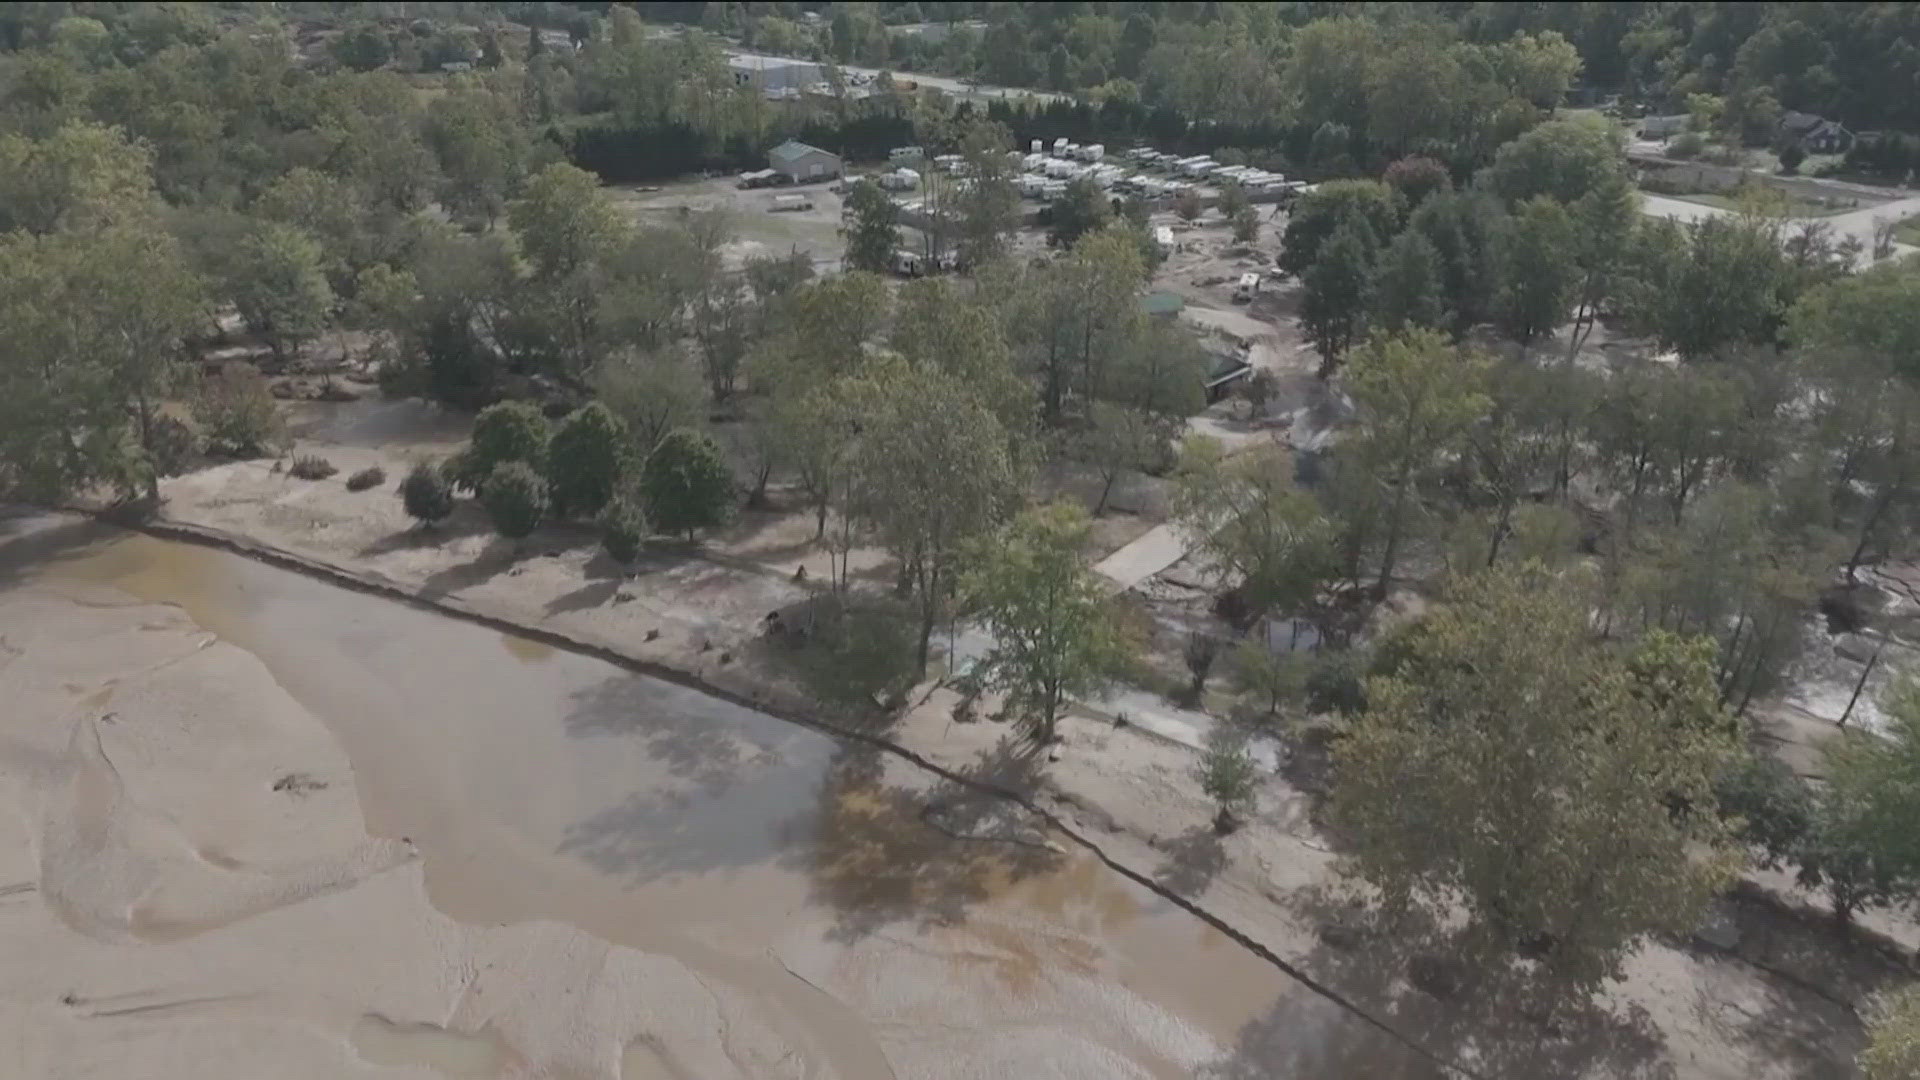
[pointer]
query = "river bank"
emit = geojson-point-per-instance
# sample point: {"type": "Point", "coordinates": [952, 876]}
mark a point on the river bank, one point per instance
{"type": "Point", "coordinates": [1685, 1008]}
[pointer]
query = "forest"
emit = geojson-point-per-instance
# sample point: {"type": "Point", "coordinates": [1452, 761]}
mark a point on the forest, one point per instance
{"type": "Point", "coordinates": [1635, 471]}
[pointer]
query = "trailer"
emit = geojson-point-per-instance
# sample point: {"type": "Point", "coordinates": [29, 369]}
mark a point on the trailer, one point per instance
{"type": "Point", "coordinates": [907, 263]}
{"type": "Point", "coordinates": [759, 178]}
{"type": "Point", "coordinates": [1060, 145]}
{"type": "Point", "coordinates": [1090, 152]}
{"type": "Point", "coordinates": [1246, 288]}
{"type": "Point", "coordinates": [796, 201]}
{"type": "Point", "coordinates": [900, 180]}
{"type": "Point", "coordinates": [902, 155]}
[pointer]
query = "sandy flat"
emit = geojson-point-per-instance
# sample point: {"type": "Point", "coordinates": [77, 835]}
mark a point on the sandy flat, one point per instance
{"type": "Point", "coordinates": [251, 819]}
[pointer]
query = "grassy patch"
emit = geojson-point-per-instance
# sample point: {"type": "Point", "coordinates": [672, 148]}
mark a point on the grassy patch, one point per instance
{"type": "Point", "coordinates": [1908, 231]}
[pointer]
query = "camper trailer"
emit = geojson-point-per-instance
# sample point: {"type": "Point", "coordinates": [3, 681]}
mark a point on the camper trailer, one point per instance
{"type": "Point", "coordinates": [795, 201]}
{"type": "Point", "coordinates": [1246, 288]}
{"type": "Point", "coordinates": [1090, 152]}
{"type": "Point", "coordinates": [900, 180]}
{"type": "Point", "coordinates": [905, 155]}
{"type": "Point", "coordinates": [908, 263]}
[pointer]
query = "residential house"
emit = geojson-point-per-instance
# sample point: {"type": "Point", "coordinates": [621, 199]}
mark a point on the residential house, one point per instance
{"type": "Point", "coordinates": [1815, 134]}
{"type": "Point", "coordinates": [801, 163]}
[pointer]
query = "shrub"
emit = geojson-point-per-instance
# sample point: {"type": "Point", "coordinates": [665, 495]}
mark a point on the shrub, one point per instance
{"type": "Point", "coordinates": [426, 494]}
{"type": "Point", "coordinates": [686, 483]}
{"type": "Point", "coordinates": [1790, 159]}
{"type": "Point", "coordinates": [312, 467]}
{"type": "Point", "coordinates": [370, 477]}
{"type": "Point", "coordinates": [1189, 205]}
{"type": "Point", "coordinates": [1685, 146]}
{"type": "Point", "coordinates": [584, 461]}
{"type": "Point", "coordinates": [623, 527]}
{"type": "Point", "coordinates": [237, 413]}
{"type": "Point", "coordinates": [504, 432]}
{"type": "Point", "coordinates": [516, 499]}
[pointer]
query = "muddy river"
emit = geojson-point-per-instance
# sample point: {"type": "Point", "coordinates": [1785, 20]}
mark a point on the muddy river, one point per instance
{"type": "Point", "coordinates": [263, 822]}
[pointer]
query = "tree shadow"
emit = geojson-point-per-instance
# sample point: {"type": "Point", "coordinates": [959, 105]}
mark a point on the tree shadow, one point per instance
{"type": "Point", "coordinates": [886, 853]}
{"type": "Point", "coordinates": [463, 522]}
{"type": "Point", "coordinates": [31, 539]}
{"type": "Point", "coordinates": [1193, 859]}
{"type": "Point", "coordinates": [1419, 976]}
{"type": "Point", "coordinates": [724, 786]}
{"type": "Point", "coordinates": [1307, 1037]}
{"type": "Point", "coordinates": [604, 578]}
{"type": "Point", "coordinates": [498, 556]}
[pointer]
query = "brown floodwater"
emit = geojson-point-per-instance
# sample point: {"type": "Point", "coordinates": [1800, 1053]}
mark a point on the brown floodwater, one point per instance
{"type": "Point", "coordinates": [805, 875]}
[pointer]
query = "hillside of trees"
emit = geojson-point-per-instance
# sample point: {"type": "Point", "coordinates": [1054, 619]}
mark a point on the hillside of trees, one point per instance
{"type": "Point", "coordinates": [1237, 61]}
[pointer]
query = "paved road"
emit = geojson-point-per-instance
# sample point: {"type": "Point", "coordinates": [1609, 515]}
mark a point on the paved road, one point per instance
{"type": "Point", "coordinates": [952, 86]}
{"type": "Point", "coordinates": [1852, 223]}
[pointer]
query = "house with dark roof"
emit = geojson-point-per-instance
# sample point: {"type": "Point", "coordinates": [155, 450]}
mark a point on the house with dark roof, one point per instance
{"type": "Point", "coordinates": [801, 163]}
{"type": "Point", "coordinates": [1814, 134]}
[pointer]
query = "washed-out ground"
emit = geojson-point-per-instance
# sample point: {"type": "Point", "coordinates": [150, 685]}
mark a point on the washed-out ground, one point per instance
{"type": "Point", "coordinates": [1763, 993]}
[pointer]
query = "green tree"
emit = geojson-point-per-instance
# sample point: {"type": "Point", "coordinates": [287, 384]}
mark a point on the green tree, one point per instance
{"type": "Point", "coordinates": [1338, 289]}
{"type": "Point", "coordinates": [504, 432]}
{"type": "Point", "coordinates": [1319, 215]}
{"type": "Point", "coordinates": [1507, 767]}
{"type": "Point", "coordinates": [1054, 629]}
{"type": "Point", "coordinates": [426, 495]}
{"type": "Point", "coordinates": [237, 413]}
{"type": "Point", "coordinates": [872, 229]}
{"type": "Point", "coordinates": [1416, 394]}
{"type": "Point", "coordinates": [1406, 286]}
{"type": "Point", "coordinates": [1462, 226]}
{"type": "Point", "coordinates": [585, 461]}
{"type": "Point", "coordinates": [483, 150]}
{"type": "Point", "coordinates": [1230, 777]}
{"type": "Point", "coordinates": [1233, 199]}
{"type": "Point", "coordinates": [515, 498]}
{"type": "Point", "coordinates": [1275, 676]}
{"type": "Point", "coordinates": [686, 484]}
{"type": "Point", "coordinates": [933, 474]}
{"type": "Point", "coordinates": [1862, 850]}
{"type": "Point", "coordinates": [280, 285]}
{"type": "Point", "coordinates": [1536, 253]}
{"type": "Point", "coordinates": [650, 394]}
{"type": "Point", "coordinates": [623, 529]}
{"type": "Point", "coordinates": [1563, 159]}
{"type": "Point", "coordinates": [1118, 439]}
{"type": "Point", "coordinates": [1266, 539]}
{"type": "Point", "coordinates": [987, 209]}
{"type": "Point", "coordinates": [1082, 210]}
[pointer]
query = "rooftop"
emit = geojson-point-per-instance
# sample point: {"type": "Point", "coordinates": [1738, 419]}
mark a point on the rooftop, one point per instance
{"type": "Point", "coordinates": [790, 151]}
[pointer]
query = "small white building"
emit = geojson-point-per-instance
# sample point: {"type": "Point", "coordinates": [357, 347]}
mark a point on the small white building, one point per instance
{"type": "Point", "coordinates": [772, 73]}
